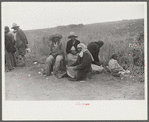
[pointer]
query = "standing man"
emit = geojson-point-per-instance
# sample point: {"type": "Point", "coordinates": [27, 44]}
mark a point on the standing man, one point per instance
{"type": "Point", "coordinates": [94, 48]}
{"type": "Point", "coordinates": [71, 48]}
{"type": "Point", "coordinates": [21, 43]}
{"type": "Point", "coordinates": [10, 46]}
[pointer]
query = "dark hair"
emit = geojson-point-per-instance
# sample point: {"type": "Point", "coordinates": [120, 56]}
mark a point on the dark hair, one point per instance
{"type": "Point", "coordinates": [6, 29]}
{"type": "Point", "coordinates": [114, 56]}
{"type": "Point", "coordinates": [100, 43]}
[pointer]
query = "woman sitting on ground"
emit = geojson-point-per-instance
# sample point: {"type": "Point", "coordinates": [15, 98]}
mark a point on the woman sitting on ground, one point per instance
{"type": "Point", "coordinates": [114, 67]}
{"type": "Point", "coordinates": [71, 48]}
{"type": "Point", "coordinates": [79, 69]}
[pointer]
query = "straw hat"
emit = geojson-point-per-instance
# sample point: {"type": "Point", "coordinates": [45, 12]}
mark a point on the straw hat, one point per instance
{"type": "Point", "coordinates": [72, 34]}
{"type": "Point", "coordinates": [15, 25]}
{"type": "Point", "coordinates": [55, 36]}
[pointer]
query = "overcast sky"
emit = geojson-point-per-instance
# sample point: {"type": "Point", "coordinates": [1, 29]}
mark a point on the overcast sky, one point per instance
{"type": "Point", "coordinates": [37, 15]}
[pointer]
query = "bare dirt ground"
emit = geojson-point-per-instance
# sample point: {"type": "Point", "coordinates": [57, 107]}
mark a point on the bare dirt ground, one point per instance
{"type": "Point", "coordinates": [27, 83]}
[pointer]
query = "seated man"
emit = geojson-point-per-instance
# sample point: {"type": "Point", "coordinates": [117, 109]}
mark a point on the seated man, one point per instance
{"type": "Point", "coordinates": [56, 55]}
{"type": "Point", "coordinates": [82, 66]}
{"type": "Point", "coordinates": [114, 67]}
{"type": "Point", "coordinates": [71, 48]}
{"type": "Point", "coordinates": [94, 48]}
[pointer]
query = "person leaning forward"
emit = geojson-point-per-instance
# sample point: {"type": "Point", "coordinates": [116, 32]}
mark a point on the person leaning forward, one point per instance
{"type": "Point", "coordinates": [21, 42]}
{"type": "Point", "coordinates": [94, 48]}
{"type": "Point", "coordinates": [56, 55]}
{"type": "Point", "coordinates": [71, 48]}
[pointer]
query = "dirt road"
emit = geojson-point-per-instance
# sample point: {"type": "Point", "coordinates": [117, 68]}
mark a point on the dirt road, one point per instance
{"type": "Point", "coordinates": [27, 83]}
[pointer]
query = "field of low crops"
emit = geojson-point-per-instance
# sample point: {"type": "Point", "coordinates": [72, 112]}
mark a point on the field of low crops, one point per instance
{"type": "Point", "coordinates": [125, 38]}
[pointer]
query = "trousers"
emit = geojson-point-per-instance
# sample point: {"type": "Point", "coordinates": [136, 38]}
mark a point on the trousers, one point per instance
{"type": "Point", "coordinates": [50, 62]}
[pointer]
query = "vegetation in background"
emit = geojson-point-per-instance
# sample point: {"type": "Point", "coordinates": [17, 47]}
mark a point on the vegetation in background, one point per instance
{"type": "Point", "coordinates": [125, 38]}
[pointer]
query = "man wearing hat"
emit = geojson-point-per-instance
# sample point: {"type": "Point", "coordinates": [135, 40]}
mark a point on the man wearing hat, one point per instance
{"type": "Point", "coordinates": [21, 42]}
{"type": "Point", "coordinates": [94, 48]}
{"type": "Point", "coordinates": [71, 48]}
{"type": "Point", "coordinates": [56, 55]}
{"type": "Point", "coordinates": [9, 49]}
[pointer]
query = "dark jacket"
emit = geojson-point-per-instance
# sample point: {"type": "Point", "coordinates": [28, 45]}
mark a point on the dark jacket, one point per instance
{"type": "Point", "coordinates": [70, 44]}
{"type": "Point", "coordinates": [83, 65]}
{"type": "Point", "coordinates": [21, 38]}
{"type": "Point", "coordinates": [94, 48]}
{"type": "Point", "coordinates": [9, 43]}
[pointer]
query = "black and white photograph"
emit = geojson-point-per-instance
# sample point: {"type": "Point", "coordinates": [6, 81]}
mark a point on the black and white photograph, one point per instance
{"type": "Point", "coordinates": [82, 53]}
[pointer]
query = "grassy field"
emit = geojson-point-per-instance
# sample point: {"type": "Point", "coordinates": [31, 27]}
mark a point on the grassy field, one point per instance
{"type": "Point", "coordinates": [119, 37]}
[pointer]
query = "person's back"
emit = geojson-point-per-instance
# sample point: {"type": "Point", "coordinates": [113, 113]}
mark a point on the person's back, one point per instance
{"type": "Point", "coordinates": [21, 44]}
{"type": "Point", "coordinates": [21, 37]}
{"type": "Point", "coordinates": [7, 43]}
{"type": "Point", "coordinates": [10, 41]}
{"type": "Point", "coordinates": [94, 48]}
{"type": "Point", "coordinates": [8, 53]}
{"type": "Point", "coordinates": [113, 64]}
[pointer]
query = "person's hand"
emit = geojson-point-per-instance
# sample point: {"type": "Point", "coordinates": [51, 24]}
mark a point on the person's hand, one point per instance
{"type": "Point", "coordinates": [28, 50]}
{"type": "Point", "coordinates": [75, 68]}
{"type": "Point", "coordinates": [97, 63]}
{"type": "Point", "coordinates": [54, 55]}
{"type": "Point", "coordinates": [74, 52]}
{"type": "Point", "coordinates": [50, 52]}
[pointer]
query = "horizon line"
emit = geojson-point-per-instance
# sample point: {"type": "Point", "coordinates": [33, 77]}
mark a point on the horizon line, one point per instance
{"type": "Point", "coordinates": [83, 24]}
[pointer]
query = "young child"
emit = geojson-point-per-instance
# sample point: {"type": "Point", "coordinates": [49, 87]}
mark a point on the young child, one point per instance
{"type": "Point", "coordinates": [114, 67]}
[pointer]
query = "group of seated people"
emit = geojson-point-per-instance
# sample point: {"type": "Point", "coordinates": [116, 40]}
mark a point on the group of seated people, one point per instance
{"type": "Point", "coordinates": [78, 60]}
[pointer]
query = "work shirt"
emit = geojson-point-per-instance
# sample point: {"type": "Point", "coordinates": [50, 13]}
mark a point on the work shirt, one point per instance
{"type": "Point", "coordinates": [56, 48]}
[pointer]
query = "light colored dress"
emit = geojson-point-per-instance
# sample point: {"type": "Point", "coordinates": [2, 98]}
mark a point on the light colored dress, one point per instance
{"type": "Point", "coordinates": [114, 65]}
{"type": "Point", "coordinates": [116, 69]}
{"type": "Point", "coordinates": [70, 57]}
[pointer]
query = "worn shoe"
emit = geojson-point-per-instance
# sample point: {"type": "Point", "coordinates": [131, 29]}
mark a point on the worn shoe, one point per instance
{"type": "Point", "coordinates": [72, 79]}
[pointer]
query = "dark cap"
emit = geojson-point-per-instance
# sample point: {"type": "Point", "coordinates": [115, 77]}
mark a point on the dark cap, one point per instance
{"type": "Point", "coordinates": [100, 43]}
{"type": "Point", "coordinates": [6, 29]}
{"type": "Point", "coordinates": [114, 56]}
